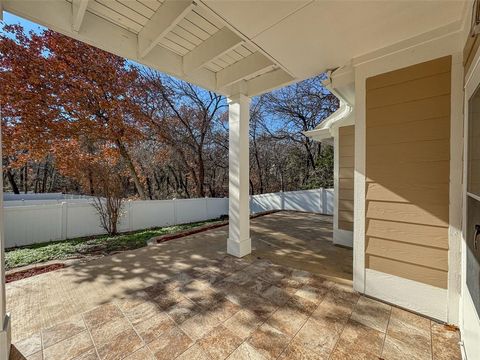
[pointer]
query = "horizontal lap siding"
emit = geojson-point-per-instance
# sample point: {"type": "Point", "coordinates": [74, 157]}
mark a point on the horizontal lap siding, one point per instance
{"type": "Point", "coordinates": [346, 149]}
{"type": "Point", "coordinates": [407, 172]}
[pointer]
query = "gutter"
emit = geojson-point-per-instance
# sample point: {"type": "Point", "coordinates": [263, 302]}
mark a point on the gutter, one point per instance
{"type": "Point", "coordinates": [324, 130]}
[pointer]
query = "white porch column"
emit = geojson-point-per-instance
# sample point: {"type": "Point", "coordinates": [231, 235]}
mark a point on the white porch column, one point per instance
{"type": "Point", "coordinates": [5, 331]}
{"type": "Point", "coordinates": [239, 243]}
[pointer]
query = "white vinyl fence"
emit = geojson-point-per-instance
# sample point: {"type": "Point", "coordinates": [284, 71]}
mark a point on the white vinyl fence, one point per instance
{"type": "Point", "coordinates": [43, 220]}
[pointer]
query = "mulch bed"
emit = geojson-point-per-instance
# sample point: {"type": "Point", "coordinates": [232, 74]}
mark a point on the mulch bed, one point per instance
{"type": "Point", "coordinates": [32, 272]}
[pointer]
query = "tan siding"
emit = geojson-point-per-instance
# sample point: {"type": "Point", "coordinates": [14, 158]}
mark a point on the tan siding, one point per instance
{"type": "Point", "coordinates": [407, 172]}
{"type": "Point", "coordinates": [406, 270]}
{"type": "Point", "coordinates": [346, 149]}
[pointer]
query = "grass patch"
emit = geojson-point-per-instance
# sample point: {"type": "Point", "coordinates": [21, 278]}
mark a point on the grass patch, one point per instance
{"type": "Point", "coordinates": [72, 248]}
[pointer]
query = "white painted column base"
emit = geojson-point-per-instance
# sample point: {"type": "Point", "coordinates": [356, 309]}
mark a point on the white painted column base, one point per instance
{"type": "Point", "coordinates": [343, 237]}
{"type": "Point", "coordinates": [239, 248]}
{"type": "Point", "coordinates": [5, 338]}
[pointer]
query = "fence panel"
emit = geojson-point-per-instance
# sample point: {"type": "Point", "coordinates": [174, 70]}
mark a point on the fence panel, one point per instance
{"type": "Point", "coordinates": [29, 224]}
{"type": "Point", "coordinates": [151, 213]}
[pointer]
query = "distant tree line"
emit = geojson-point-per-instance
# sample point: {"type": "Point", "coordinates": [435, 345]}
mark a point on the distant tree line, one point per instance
{"type": "Point", "coordinates": [80, 120]}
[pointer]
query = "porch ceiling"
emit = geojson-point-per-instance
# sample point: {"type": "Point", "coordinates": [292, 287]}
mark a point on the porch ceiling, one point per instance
{"type": "Point", "coordinates": [248, 46]}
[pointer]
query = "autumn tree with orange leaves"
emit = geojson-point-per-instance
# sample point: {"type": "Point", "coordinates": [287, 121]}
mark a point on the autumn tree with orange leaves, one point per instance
{"type": "Point", "coordinates": [73, 100]}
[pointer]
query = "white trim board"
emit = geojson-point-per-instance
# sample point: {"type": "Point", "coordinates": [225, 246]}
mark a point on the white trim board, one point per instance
{"type": "Point", "coordinates": [343, 237]}
{"type": "Point", "coordinates": [424, 299]}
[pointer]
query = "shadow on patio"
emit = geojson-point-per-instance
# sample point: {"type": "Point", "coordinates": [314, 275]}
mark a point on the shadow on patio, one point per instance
{"type": "Point", "coordinates": [187, 299]}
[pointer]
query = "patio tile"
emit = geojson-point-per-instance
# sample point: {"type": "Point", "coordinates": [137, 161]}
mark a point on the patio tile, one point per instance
{"type": "Point", "coordinates": [261, 307]}
{"type": "Point", "coordinates": [70, 348]}
{"type": "Point", "coordinates": [316, 337]}
{"type": "Point", "coordinates": [372, 313]}
{"type": "Point", "coordinates": [143, 312]}
{"type": "Point", "coordinates": [170, 344]}
{"type": "Point", "coordinates": [103, 333]}
{"type": "Point", "coordinates": [399, 350]}
{"type": "Point", "coordinates": [29, 345]}
{"type": "Point", "coordinates": [143, 353]}
{"type": "Point", "coordinates": [287, 320]}
{"type": "Point", "coordinates": [243, 323]}
{"type": "Point", "coordinates": [276, 295]}
{"type": "Point", "coordinates": [295, 351]}
{"type": "Point", "coordinates": [89, 355]}
{"type": "Point", "coordinates": [219, 343]}
{"type": "Point", "coordinates": [183, 310]}
{"type": "Point", "coordinates": [194, 353]}
{"type": "Point", "coordinates": [360, 341]}
{"type": "Point", "coordinates": [63, 331]}
{"type": "Point", "coordinates": [301, 304]}
{"type": "Point", "coordinates": [410, 328]}
{"type": "Point", "coordinates": [197, 326]}
{"type": "Point", "coordinates": [268, 341]}
{"type": "Point", "coordinates": [168, 298]}
{"type": "Point", "coordinates": [149, 329]}
{"type": "Point", "coordinates": [122, 344]}
{"type": "Point", "coordinates": [333, 314]}
{"type": "Point", "coordinates": [223, 310]}
{"type": "Point", "coordinates": [101, 315]}
{"type": "Point", "coordinates": [130, 301]}
{"type": "Point", "coordinates": [246, 352]}
{"type": "Point", "coordinates": [445, 342]}
{"type": "Point", "coordinates": [344, 292]}
{"type": "Point", "coordinates": [311, 293]}
{"type": "Point", "coordinates": [37, 356]}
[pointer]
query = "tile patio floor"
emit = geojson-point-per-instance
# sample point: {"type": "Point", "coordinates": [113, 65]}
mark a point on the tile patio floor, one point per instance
{"type": "Point", "coordinates": [202, 304]}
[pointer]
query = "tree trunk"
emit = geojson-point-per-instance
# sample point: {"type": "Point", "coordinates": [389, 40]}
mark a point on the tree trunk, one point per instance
{"type": "Point", "coordinates": [131, 168]}
{"type": "Point", "coordinates": [11, 180]}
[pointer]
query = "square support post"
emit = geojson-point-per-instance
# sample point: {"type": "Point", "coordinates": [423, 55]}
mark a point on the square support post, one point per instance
{"type": "Point", "coordinates": [5, 327]}
{"type": "Point", "coordinates": [239, 243]}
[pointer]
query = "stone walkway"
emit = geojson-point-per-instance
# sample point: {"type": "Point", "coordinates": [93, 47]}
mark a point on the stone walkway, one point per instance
{"type": "Point", "coordinates": [186, 299]}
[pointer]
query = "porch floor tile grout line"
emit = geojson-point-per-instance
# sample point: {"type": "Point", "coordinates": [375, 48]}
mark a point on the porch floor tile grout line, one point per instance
{"type": "Point", "coordinates": [386, 331]}
{"type": "Point", "coordinates": [89, 334]}
{"type": "Point", "coordinates": [301, 327]}
{"type": "Point", "coordinates": [343, 329]}
{"type": "Point", "coordinates": [134, 329]}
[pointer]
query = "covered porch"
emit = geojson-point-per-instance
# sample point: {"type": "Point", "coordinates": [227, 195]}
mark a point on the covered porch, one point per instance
{"type": "Point", "coordinates": [399, 68]}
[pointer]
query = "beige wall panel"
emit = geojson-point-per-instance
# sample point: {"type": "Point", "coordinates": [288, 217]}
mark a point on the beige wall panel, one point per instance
{"type": "Point", "coordinates": [346, 184]}
{"type": "Point", "coordinates": [422, 109]}
{"type": "Point", "coordinates": [434, 215]}
{"type": "Point", "coordinates": [346, 145]}
{"type": "Point", "coordinates": [436, 194]}
{"type": "Point", "coordinates": [423, 151]}
{"type": "Point", "coordinates": [413, 272]}
{"type": "Point", "coordinates": [345, 225]}
{"type": "Point", "coordinates": [409, 132]}
{"type": "Point", "coordinates": [346, 205]}
{"type": "Point", "coordinates": [408, 172]}
{"type": "Point", "coordinates": [411, 173]}
{"type": "Point", "coordinates": [345, 194]}
{"type": "Point", "coordinates": [345, 215]}
{"type": "Point", "coordinates": [409, 91]}
{"type": "Point", "coordinates": [433, 236]}
{"type": "Point", "coordinates": [410, 253]}
{"type": "Point", "coordinates": [346, 172]}
{"type": "Point", "coordinates": [409, 73]}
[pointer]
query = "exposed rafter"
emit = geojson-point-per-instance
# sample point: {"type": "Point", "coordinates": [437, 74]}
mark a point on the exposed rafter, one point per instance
{"type": "Point", "coordinates": [79, 8]}
{"type": "Point", "coordinates": [218, 44]}
{"type": "Point", "coordinates": [96, 31]}
{"type": "Point", "coordinates": [162, 22]}
{"type": "Point", "coordinates": [268, 82]}
{"type": "Point", "coordinates": [247, 67]}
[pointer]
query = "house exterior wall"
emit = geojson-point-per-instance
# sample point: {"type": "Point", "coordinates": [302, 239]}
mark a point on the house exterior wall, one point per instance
{"type": "Point", "coordinates": [407, 172]}
{"type": "Point", "coordinates": [346, 149]}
